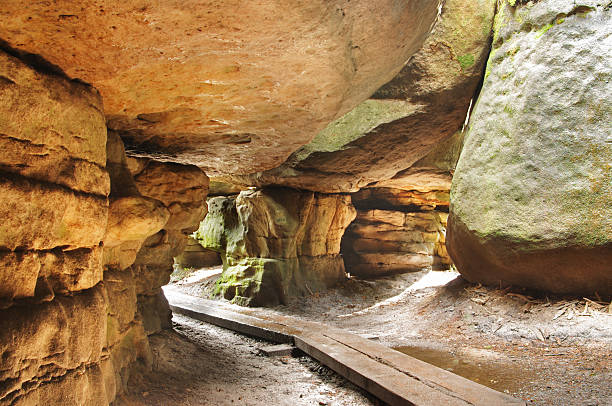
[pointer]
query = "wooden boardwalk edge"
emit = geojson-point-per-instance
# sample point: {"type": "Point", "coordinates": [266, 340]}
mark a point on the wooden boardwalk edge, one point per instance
{"type": "Point", "coordinates": [391, 376]}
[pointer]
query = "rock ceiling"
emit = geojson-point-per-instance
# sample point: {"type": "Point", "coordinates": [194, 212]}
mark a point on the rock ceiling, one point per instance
{"type": "Point", "coordinates": [231, 86]}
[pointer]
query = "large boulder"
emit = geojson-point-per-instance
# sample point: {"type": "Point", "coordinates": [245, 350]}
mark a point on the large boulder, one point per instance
{"type": "Point", "coordinates": [276, 244]}
{"type": "Point", "coordinates": [531, 202]}
{"type": "Point", "coordinates": [230, 86]}
{"type": "Point", "coordinates": [425, 104]}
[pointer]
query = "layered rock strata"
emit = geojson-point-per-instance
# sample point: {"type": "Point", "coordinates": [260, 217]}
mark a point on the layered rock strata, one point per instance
{"type": "Point", "coordinates": [54, 188]}
{"type": "Point", "coordinates": [233, 87]}
{"type": "Point", "coordinates": [182, 191]}
{"type": "Point", "coordinates": [396, 231]}
{"type": "Point", "coordinates": [276, 243]}
{"type": "Point", "coordinates": [532, 193]}
{"type": "Point", "coordinates": [401, 222]}
{"type": "Point", "coordinates": [74, 309]}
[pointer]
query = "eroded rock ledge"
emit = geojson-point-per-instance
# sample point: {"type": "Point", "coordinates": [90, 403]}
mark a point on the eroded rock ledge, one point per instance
{"type": "Point", "coordinates": [276, 243]}
{"type": "Point", "coordinates": [233, 87]}
{"type": "Point", "coordinates": [78, 295]}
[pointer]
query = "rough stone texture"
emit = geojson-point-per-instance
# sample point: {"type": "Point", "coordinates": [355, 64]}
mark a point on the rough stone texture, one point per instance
{"type": "Point", "coordinates": [433, 172]}
{"type": "Point", "coordinates": [41, 216]}
{"type": "Point", "coordinates": [41, 344]}
{"type": "Point", "coordinates": [126, 346]}
{"type": "Point", "coordinates": [52, 183]}
{"type": "Point", "coordinates": [85, 386]}
{"type": "Point", "coordinates": [148, 221]}
{"type": "Point", "coordinates": [276, 243]}
{"type": "Point", "coordinates": [65, 337]}
{"type": "Point", "coordinates": [532, 194]}
{"type": "Point", "coordinates": [381, 242]}
{"type": "Point", "coordinates": [196, 256]}
{"type": "Point", "coordinates": [404, 120]}
{"type": "Point", "coordinates": [182, 189]}
{"type": "Point", "coordinates": [43, 274]}
{"type": "Point", "coordinates": [398, 199]}
{"type": "Point", "coordinates": [132, 217]}
{"type": "Point", "coordinates": [228, 85]}
{"type": "Point", "coordinates": [54, 188]}
{"type": "Point", "coordinates": [62, 140]}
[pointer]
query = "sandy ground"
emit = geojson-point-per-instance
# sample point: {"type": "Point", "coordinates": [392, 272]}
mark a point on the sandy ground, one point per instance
{"type": "Point", "coordinates": [200, 364]}
{"type": "Point", "coordinates": [545, 350]}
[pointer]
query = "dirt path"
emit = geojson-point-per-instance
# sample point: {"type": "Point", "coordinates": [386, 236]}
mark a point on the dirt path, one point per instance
{"type": "Point", "coordinates": [547, 351]}
{"type": "Point", "coordinates": [199, 364]}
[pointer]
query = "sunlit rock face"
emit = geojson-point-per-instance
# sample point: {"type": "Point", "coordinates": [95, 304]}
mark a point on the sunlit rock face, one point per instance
{"type": "Point", "coordinates": [231, 86]}
{"type": "Point", "coordinates": [425, 104]}
{"type": "Point", "coordinates": [276, 244]}
{"type": "Point", "coordinates": [54, 208]}
{"type": "Point", "coordinates": [181, 189]}
{"type": "Point", "coordinates": [52, 182]}
{"type": "Point", "coordinates": [152, 208]}
{"type": "Point", "coordinates": [532, 193]}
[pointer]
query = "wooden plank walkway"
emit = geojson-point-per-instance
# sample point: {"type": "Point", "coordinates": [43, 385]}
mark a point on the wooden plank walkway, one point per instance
{"type": "Point", "coordinates": [391, 376]}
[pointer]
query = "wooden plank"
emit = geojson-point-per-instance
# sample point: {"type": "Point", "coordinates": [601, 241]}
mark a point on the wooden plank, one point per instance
{"type": "Point", "coordinates": [241, 323]}
{"type": "Point", "coordinates": [436, 378]}
{"type": "Point", "coordinates": [279, 350]}
{"type": "Point", "coordinates": [396, 378]}
{"type": "Point", "coordinates": [385, 383]}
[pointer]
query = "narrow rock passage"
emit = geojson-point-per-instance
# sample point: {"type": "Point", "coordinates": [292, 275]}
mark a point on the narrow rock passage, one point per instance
{"type": "Point", "coordinates": [201, 364]}
{"type": "Point", "coordinates": [544, 350]}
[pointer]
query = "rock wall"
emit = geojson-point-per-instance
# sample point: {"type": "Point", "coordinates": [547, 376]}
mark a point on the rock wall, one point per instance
{"type": "Point", "coordinates": [396, 231]}
{"type": "Point", "coordinates": [182, 190]}
{"type": "Point", "coordinates": [196, 256]}
{"type": "Point", "coordinates": [532, 193]}
{"type": "Point", "coordinates": [276, 243]}
{"type": "Point", "coordinates": [75, 308]}
{"type": "Point", "coordinates": [401, 222]}
{"type": "Point", "coordinates": [54, 188]}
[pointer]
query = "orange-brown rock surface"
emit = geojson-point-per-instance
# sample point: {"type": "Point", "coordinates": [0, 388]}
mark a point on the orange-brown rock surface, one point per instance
{"type": "Point", "coordinates": [425, 104]}
{"type": "Point", "coordinates": [52, 183]}
{"type": "Point", "coordinates": [181, 189]}
{"type": "Point", "coordinates": [393, 239]}
{"type": "Point", "coordinates": [231, 86]}
{"type": "Point", "coordinates": [74, 314]}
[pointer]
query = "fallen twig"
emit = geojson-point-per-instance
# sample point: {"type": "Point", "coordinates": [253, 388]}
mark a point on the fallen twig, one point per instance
{"type": "Point", "coordinates": [518, 295]}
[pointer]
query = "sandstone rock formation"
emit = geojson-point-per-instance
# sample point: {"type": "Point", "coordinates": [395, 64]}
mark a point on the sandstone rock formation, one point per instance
{"type": "Point", "coordinates": [532, 194]}
{"type": "Point", "coordinates": [54, 188]}
{"type": "Point", "coordinates": [196, 256]}
{"type": "Point", "coordinates": [182, 190]}
{"type": "Point", "coordinates": [52, 182]}
{"type": "Point", "coordinates": [276, 243]}
{"type": "Point", "coordinates": [405, 119]}
{"type": "Point", "coordinates": [74, 314]}
{"type": "Point", "coordinates": [382, 242]}
{"type": "Point", "coordinates": [230, 86]}
{"type": "Point", "coordinates": [401, 222]}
